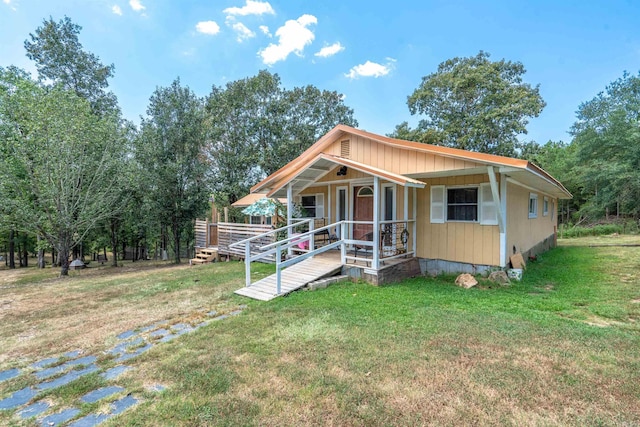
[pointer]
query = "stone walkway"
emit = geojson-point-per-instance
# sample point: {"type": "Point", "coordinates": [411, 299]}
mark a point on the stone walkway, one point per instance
{"type": "Point", "coordinates": [58, 371]}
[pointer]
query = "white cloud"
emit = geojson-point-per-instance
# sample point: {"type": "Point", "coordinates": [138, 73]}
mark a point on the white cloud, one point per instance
{"type": "Point", "coordinates": [265, 30]}
{"type": "Point", "coordinates": [242, 31]}
{"type": "Point", "coordinates": [371, 69]}
{"type": "Point", "coordinates": [330, 50]}
{"type": "Point", "coordinates": [136, 5]}
{"type": "Point", "coordinates": [251, 8]}
{"type": "Point", "coordinates": [116, 9]}
{"type": "Point", "coordinates": [208, 27]}
{"type": "Point", "coordinates": [8, 3]}
{"type": "Point", "coordinates": [293, 36]}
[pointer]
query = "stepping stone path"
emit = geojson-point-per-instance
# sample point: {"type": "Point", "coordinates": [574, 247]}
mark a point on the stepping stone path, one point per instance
{"type": "Point", "coordinates": [70, 367]}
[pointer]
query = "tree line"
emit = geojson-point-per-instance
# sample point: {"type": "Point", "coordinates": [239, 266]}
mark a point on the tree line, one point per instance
{"type": "Point", "coordinates": [76, 177]}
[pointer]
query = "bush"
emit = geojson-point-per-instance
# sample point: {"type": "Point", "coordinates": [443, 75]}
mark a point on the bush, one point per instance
{"type": "Point", "coordinates": [569, 231]}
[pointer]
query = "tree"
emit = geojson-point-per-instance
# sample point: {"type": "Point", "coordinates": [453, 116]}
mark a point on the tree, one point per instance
{"type": "Point", "coordinates": [475, 104]}
{"type": "Point", "coordinates": [254, 127]}
{"type": "Point", "coordinates": [170, 148]}
{"type": "Point", "coordinates": [59, 57]}
{"type": "Point", "coordinates": [606, 139]}
{"type": "Point", "coordinates": [57, 160]}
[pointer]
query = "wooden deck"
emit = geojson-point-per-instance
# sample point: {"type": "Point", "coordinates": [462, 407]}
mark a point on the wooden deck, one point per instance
{"type": "Point", "coordinates": [294, 277]}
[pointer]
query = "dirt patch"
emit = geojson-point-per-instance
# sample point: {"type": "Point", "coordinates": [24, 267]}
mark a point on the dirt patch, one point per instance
{"type": "Point", "coordinates": [635, 301]}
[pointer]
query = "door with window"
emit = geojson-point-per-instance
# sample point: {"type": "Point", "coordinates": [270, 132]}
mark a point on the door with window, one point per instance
{"type": "Point", "coordinates": [362, 211]}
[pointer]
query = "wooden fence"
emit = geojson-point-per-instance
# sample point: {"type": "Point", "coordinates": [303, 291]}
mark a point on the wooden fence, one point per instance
{"type": "Point", "coordinates": [229, 233]}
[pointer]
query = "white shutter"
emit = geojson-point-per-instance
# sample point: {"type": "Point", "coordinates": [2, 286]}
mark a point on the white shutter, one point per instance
{"type": "Point", "coordinates": [437, 204]}
{"type": "Point", "coordinates": [488, 210]}
{"type": "Point", "coordinates": [319, 205]}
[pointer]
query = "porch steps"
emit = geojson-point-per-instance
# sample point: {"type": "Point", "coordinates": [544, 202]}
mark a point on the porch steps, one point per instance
{"type": "Point", "coordinates": [205, 255]}
{"type": "Point", "coordinates": [292, 278]}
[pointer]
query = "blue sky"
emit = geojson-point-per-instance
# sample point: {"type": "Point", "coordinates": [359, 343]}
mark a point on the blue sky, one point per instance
{"type": "Point", "coordinates": [374, 52]}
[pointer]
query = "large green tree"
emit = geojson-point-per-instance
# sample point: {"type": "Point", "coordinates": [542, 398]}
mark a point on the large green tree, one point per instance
{"type": "Point", "coordinates": [254, 127]}
{"type": "Point", "coordinates": [474, 104]}
{"type": "Point", "coordinates": [606, 140]}
{"type": "Point", "coordinates": [60, 58]}
{"type": "Point", "coordinates": [56, 163]}
{"type": "Point", "coordinates": [170, 149]}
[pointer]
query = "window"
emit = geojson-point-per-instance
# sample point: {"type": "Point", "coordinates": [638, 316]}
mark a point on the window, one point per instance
{"type": "Point", "coordinates": [471, 204]}
{"type": "Point", "coordinates": [533, 205]}
{"type": "Point", "coordinates": [462, 204]}
{"type": "Point", "coordinates": [365, 192]}
{"type": "Point", "coordinates": [545, 206]}
{"type": "Point", "coordinates": [312, 206]}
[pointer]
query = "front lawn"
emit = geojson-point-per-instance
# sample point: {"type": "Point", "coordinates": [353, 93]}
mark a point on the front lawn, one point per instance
{"type": "Point", "coordinates": [562, 347]}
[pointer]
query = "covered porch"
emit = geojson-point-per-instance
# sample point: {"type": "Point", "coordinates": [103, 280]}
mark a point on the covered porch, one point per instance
{"type": "Point", "coordinates": [374, 211]}
{"type": "Point", "coordinates": [361, 218]}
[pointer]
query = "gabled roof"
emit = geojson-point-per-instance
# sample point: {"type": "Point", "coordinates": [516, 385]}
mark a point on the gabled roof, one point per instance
{"type": "Point", "coordinates": [531, 172]}
{"type": "Point", "coordinates": [324, 162]}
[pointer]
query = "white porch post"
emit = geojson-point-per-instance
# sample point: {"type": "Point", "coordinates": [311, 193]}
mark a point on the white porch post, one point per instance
{"type": "Point", "coordinates": [406, 212]}
{"type": "Point", "coordinates": [500, 204]}
{"type": "Point", "coordinates": [503, 202]}
{"type": "Point", "coordinates": [376, 223]}
{"type": "Point", "coordinates": [289, 213]}
{"type": "Point", "coordinates": [415, 221]}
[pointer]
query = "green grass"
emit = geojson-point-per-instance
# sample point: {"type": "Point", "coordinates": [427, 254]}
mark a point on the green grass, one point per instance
{"type": "Point", "coordinates": [561, 347]}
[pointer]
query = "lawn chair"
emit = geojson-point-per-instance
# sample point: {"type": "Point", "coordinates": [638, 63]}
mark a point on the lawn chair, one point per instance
{"type": "Point", "coordinates": [367, 237]}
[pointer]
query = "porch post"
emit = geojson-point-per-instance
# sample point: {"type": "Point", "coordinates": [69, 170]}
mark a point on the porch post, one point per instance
{"type": "Point", "coordinates": [289, 214]}
{"type": "Point", "coordinates": [376, 224]}
{"type": "Point", "coordinates": [406, 212]}
{"type": "Point", "coordinates": [500, 203]}
{"type": "Point", "coordinates": [415, 221]}
{"type": "Point", "coordinates": [503, 202]}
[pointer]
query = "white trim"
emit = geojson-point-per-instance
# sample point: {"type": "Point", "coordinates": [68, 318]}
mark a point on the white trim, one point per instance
{"type": "Point", "coordinates": [537, 190]}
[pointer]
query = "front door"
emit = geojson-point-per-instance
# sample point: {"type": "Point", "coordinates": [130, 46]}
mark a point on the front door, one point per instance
{"type": "Point", "coordinates": [362, 211]}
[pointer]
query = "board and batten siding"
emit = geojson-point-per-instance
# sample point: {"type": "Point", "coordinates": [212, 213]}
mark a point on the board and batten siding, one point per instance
{"type": "Point", "coordinates": [396, 160]}
{"type": "Point", "coordinates": [523, 232]}
{"type": "Point", "coordinates": [465, 242]}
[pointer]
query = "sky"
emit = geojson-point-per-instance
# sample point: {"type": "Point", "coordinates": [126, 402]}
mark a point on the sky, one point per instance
{"type": "Point", "coordinates": [374, 52]}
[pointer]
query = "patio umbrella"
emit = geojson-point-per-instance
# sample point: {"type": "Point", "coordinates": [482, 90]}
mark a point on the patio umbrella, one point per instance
{"type": "Point", "coordinates": [262, 207]}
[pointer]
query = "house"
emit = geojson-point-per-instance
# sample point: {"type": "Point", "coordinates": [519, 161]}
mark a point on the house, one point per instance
{"type": "Point", "coordinates": [435, 209]}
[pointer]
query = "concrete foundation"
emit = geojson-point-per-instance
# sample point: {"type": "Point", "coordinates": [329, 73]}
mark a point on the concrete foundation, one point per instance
{"type": "Point", "coordinates": [387, 274]}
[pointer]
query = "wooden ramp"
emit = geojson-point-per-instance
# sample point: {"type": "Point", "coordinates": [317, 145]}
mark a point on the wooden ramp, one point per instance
{"type": "Point", "coordinates": [294, 277]}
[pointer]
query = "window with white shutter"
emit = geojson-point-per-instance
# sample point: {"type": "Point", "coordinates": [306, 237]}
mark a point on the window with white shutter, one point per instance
{"type": "Point", "coordinates": [488, 208]}
{"type": "Point", "coordinates": [437, 204]}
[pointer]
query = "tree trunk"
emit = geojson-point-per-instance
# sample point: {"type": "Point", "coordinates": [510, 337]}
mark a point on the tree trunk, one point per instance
{"type": "Point", "coordinates": [26, 255]}
{"type": "Point", "coordinates": [41, 263]}
{"type": "Point", "coordinates": [114, 244]}
{"type": "Point", "coordinates": [63, 257]}
{"type": "Point", "coordinates": [176, 241]}
{"type": "Point", "coordinates": [12, 249]}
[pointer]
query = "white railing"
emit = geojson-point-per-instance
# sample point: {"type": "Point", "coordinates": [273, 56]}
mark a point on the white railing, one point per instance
{"type": "Point", "coordinates": [279, 247]}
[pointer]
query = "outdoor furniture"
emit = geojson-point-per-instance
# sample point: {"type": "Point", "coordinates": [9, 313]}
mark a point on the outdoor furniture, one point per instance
{"type": "Point", "coordinates": [368, 237]}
